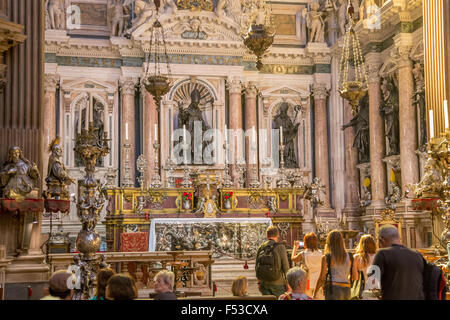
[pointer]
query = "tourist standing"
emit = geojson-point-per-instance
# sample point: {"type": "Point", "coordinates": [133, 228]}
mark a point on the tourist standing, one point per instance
{"type": "Point", "coordinates": [363, 259]}
{"type": "Point", "coordinates": [310, 260]}
{"type": "Point", "coordinates": [336, 268]}
{"type": "Point", "coordinates": [401, 269]}
{"type": "Point", "coordinates": [272, 264]}
{"type": "Point", "coordinates": [58, 287]}
{"type": "Point", "coordinates": [103, 277]}
{"type": "Point", "coordinates": [164, 282]}
{"type": "Point", "coordinates": [121, 287]}
{"type": "Point", "coordinates": [297, 280]}
{"type": "Point", "coordinates": [239, 286]}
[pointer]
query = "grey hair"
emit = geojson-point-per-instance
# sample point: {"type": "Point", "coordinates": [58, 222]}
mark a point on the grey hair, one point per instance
{"type": "Point", "coordinates": [388, 232]}
{"type": "Point", "coordinates": [167, 276]}
{"type": "Point", "coordinates": [294, 276]}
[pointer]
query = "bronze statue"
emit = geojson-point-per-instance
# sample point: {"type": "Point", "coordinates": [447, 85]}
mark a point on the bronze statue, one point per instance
{"type": "Point", "coordinates": [389, 109]}
{"type": "Point", "coordinates": [19, 176]}
{"type": "Point", "coordinates": [360, 124]}
{"type": "Point", "coordinates": [289, 134]}
{"type": "Point", "coordinates": [189, 117]}
{"type": "Point", "coordinates": [57, 177]}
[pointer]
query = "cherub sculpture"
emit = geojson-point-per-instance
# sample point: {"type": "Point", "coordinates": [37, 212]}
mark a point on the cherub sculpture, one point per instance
{"type": "Point", "coordinates": [315, 22]}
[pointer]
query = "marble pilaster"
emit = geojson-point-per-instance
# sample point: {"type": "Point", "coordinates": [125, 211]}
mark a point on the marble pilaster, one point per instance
{"type": "Point", "coordinates": [351, 163]}
{"type": "Point", "coordinates": [320, 93]}
{"type": "Point", "coordinates": [128, 117]}
{"type": "Point", "coordinates": [49, 112]}
{"type": "Point", "coordinates": [235, 123]}
{"type": "Point", "coordinates": [150, 119]}
{"type": "Point", "coordinates": [376, 132]}
{"type": "Point", "coordinates": [251, 157]}
{"type": "Point", "coordinates": [408, 138]}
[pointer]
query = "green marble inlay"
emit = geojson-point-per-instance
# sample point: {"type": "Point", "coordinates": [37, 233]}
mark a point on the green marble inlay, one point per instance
{"type": "Point", "coordinates": [198, 59]}
{"type": "Point", "coordinates": [89, 62]}
{"type": "Point", "coordinates": [50, 57]}
{"type": "Point", "coordinates": [132, 62]}
{"type": "Point", "coordinates": [287, 69]}
{"type": "Point", "coordinates": [322, 68]}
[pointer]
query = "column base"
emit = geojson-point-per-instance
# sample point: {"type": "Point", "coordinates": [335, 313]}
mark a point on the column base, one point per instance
{"type": "Point", "coordinates": [326, 212]}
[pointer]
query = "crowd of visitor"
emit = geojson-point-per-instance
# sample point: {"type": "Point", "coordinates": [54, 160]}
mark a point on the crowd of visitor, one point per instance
{"type": "Point", "coordinates": [387, 271]}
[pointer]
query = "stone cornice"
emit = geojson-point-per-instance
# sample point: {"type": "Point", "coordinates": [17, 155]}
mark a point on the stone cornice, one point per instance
{"type": "Point", "coordinates": [11, 35]}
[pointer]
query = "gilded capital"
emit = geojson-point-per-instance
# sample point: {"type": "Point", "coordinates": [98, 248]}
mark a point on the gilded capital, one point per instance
{"type": "Point", "coordinates": [320, 91]}
{"type": "Point", "coordinates": [50, 82]}
{"type": "Point", "coordinates": [128, 86]}
{"type": "Point", "coordinates": [234, 86]}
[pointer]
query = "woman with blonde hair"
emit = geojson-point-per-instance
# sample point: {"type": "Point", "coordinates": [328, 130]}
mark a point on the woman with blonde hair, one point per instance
{"type": "Point", "coordinates": [239, 286]}
{"type": "Point", "coordinates": [310, 260]}
{"type": "Point", "coordinates": [363, 258]}
{"type": "Point", "coordinates": [336, 269]}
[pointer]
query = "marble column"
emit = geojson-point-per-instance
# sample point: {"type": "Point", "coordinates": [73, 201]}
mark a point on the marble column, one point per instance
{"type": "Point", "coordinates": [50, 84]}
{"type": "Point", "coordinates": [376, 132]}
{"type": "Point", "coordinates": [235, 123]}
{"type": "Point", "coordinates": [320, 94]}
{"type": "Point", "coordinates": [409, 162]}
{"type": "Point", "coordinates": [150, 119]}
{"type": "Point", "coordinates": [351, 162]}
{"type": "Point", "coordinates": [251, 148]}
{"type": "Point", "coordinates": [128, 119]}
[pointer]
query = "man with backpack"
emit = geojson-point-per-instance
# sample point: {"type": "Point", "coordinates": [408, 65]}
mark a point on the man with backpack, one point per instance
{"type": "Point", "coordinates": [272, 264]}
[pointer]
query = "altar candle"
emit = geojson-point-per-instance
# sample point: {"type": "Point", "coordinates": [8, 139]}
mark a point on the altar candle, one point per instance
{"type": "Point", "coordinates": [431, 125]}
{"type": "Point", "coordinates": [126, 131]}
{"type": "Point", "coordinates": [254, 136]}
{"type": "Point", "coordinates": [281, 135]}
{"type": "Point", "coordinates": [156, 132]}
{"type": "Point", "coordinates": [226, 135]}
{"type": "Point", "coordinates": [184, 133]}
{"type": "Point", "coordinates": [446, 114]}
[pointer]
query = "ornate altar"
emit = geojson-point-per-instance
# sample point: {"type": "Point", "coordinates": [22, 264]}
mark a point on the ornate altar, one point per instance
{"type": "Point", "coordinates": [388, 218]}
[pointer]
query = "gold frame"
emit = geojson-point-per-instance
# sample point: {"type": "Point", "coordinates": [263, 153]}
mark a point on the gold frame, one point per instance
{"type": "Point", "coordinates": [388, 217]}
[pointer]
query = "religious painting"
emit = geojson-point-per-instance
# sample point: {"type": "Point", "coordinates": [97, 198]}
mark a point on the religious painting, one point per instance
{"type": "Point", "coordinates": [285, 24]}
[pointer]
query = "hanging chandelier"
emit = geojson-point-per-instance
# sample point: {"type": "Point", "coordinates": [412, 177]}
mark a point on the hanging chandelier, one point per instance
{"type": "Point", "coordinates": [258, 29]}
{"type": "Point", "coordinates": [355, 89]}
{"type": "Point", "coordinates": [157, 79]}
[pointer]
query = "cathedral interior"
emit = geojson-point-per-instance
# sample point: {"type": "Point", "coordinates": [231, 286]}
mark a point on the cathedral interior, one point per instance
{"type": "Point", "coordinates": [141, 132]}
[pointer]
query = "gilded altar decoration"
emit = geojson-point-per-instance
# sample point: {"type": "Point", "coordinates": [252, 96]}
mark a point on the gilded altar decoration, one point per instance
{"type": "Point", "coordinates": [195, 5]}
{"type": "Point", "coordinates": [19, 176]}
{"type": "Point", "coordinates": [58, 179]}
{"type": "Point", "coordinates": [313, 192]}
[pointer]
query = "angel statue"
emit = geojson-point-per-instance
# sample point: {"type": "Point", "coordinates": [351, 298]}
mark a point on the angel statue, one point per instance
{"type": "Point", "coordinates": [117, 14]}
{"type": "Point", "coordinates": [143, 11]}
{"type": "Point", "coordinates": [315, 22]}
{"type": "Point", "coordinates": [313, 191]}
{"type": "Point", "coordinates": [56, 14]}
{"type": "Point", "coordinates": [58, 179]}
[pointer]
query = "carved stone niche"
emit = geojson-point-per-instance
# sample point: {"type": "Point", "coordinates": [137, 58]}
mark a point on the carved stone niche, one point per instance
{"type": "Point", "coordinates": [393, 171]}
{"type": "Point", "coordinates": [365, 184]}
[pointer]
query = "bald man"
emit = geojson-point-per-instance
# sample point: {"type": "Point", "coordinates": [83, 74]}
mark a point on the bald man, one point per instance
{"type": "Point", "coordinates": [401, 268]}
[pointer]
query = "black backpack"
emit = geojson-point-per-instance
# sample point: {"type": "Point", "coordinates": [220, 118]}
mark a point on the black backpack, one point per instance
{"type": "Point", "coordinates": [432, 277]}
{"type": "Point", "coordinates": [267, 262]}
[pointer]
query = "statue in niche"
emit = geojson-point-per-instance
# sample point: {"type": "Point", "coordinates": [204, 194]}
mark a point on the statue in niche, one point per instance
{"type": "Point", "coordinates": [419, 100]}
{"type": "Point", "coordinates": [19, 176]}
{"type": "Point", "coordinates": [117, 14]}
{"type": "Point", "coordinates": [56, 13]}
{"type": "Point", "coordinates": [367, 9]}
{"type": "Point", "coordinates": [389, 110]}
{"type": "Point", "coordinates": [342, 15]}
{"type": "Point", "coordinates": [360, 124]}
{"type": "Point", "coordinates": [289, 134]}
{"type": "Point", "coordinates": [395, 196]}
{"type": "Point", "coordinates": [315, 22]}
{"type": "Point", "coordinates": [58, 179]}
{"type": "Point", "coordinates": [189, 117]}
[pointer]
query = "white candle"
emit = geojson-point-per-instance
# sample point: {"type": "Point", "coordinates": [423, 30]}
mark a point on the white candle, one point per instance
{"type": "Point", "coordinates": [126, 131]}
{"type": "Point", "coordinates": [446, 114]}
{"type": "Point", "coordinates": [431, 125]}
{"type": "Point", "coordinates": [254, 136]}
{"type": "Point", "coordinates": [184, 133]}
{"type": "Point", "coordinates": [281, 135]}
{"type": "Point", "coordinates": [156, 132]}
{"type": "Point", "coordinates": [226, 135]}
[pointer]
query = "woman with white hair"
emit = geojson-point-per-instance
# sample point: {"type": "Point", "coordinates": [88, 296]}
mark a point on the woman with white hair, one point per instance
{"type": "Point", "coordinates": [164, 281]}
{"type": "Point", "coordinates": [297, 280]}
